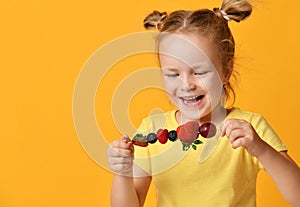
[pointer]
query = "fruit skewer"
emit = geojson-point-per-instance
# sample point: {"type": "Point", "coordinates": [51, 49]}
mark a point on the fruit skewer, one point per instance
{"type": "Point", "coordinates": [187, 133]}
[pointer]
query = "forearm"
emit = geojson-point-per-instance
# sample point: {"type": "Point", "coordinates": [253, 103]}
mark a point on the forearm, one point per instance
{"type": "Point", "coordinates": [284, 172]}
{"type": "Point", "coordinates": [123, 192]}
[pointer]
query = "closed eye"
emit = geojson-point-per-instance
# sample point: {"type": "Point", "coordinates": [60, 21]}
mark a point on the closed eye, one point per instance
{"type": "Point", "coordinates": [201, 73]}
{"type": "Point", "coordinates": [172, 75]}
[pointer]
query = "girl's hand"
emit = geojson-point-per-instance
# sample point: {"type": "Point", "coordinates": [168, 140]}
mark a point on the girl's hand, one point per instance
{"type": "Point", "coordinates": [242, 134]}
{"type": "Point", "coordinates": [120, 156]}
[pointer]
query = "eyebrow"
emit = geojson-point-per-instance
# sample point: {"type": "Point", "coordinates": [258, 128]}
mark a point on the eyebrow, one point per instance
{"type": "Point", "coordinates": [170, 69]}
{"type": "Point", "coordinates": [193, 67]}
{"type": "Point", "coordinates": [201, 65]}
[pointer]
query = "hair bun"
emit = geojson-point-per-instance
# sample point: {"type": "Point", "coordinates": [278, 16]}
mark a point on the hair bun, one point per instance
{"type": "Point", "coordinates": [154, 20]}
{"type": "Point", "coordinates": [236, 10]}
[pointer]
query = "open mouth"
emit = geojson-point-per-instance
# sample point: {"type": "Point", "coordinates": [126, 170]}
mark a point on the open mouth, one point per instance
{"type": "Point", "coordinates": [192, 101]}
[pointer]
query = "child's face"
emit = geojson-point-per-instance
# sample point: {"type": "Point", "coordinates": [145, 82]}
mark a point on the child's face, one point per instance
{"type": "Point", "coordinates": [193, 74]}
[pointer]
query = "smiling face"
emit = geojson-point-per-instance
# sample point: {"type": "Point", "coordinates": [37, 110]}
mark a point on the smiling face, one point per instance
{"type": "Point", "coordinates": [193, 75]}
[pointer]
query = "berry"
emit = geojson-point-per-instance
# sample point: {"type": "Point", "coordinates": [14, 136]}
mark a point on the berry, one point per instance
{"type": "Point", "coordinates": [139, 143]}
{"type": "Point", "coordinates": [172, 135]}
{"type": "Point", "coordinates": [208, 130]}
{"type": "Point", "coordinates": [162, 135]}
{"type": "Point", "coordinates": [178, 129]}
{"type": "Point", "coordinates": [188, 132]}
{"type": "Point", "coordinates": [151, 138]}
{"type": "Point", "coordinates": [140, 140]}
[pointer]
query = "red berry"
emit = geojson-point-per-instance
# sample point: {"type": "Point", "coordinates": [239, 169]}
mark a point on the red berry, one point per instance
{"type": "Point", "coordinates": [188, 132]}
{"type": "Point", "coordinates": [162, 135]}
{"type": "Point", "coordinates": [178, 129]}
{"type": "Point", "coordinates": [208, 130]}
{"type": "Point", "coordinates": [139, 143]}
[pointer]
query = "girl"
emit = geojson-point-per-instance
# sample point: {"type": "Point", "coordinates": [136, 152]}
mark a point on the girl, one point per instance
{"type": "Point", "coordinates": [196, 54]}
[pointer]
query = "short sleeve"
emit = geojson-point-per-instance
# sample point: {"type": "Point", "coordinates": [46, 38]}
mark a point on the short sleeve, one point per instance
{"type": "Point", "coordinates": [266, 132]}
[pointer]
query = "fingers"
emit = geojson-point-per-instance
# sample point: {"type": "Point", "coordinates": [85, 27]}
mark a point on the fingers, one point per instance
{"type": "Point", "coordinates": [120, 155]}
{"type": "Point", "coordinates": [125, 138]}
{"type": "Point", "coordinates": [122, 147]}
{"type": "Point", "coordinates": [242, 134]}
{"type": "Point", "coordinates": [238, 131]}
{"type": "Point", "coordinates": [231, 125]}
{"type": "Point", "coordinates": [120, 164]}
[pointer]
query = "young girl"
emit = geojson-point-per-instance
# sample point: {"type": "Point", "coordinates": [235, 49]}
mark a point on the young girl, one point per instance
{"type": "Point", "coordinates": [196, 54]}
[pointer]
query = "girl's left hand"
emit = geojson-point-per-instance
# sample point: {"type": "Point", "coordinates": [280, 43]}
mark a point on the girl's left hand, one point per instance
{"type": "Point", "coordinates": [242, 134]}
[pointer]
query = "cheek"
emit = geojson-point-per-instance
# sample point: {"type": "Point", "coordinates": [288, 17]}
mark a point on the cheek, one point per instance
{"type": "Point", "coordinates": [170, 86]}
{"type": "Point", "coordinates": [214, 87]}
{"type": "Point", "coordinates": [170, 89]}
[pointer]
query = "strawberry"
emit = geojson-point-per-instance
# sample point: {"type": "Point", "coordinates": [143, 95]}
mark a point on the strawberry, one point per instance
{"type": "Point", "coordinates": [162, 135]}
{"type": "Point", "coordinates": [188, 132]}
{"type": "Point", "coordinates": [140, 140]}
{"type": "Point", "coordinates": [139, 143]}
{"type": "Point", "coordinates": [178, 129]}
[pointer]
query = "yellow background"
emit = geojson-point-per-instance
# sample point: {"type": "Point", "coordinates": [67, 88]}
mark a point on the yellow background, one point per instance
{"type": "Point", "coordinates": [43, 46]}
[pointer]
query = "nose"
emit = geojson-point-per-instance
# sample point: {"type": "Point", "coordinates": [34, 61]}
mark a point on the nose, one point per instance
{"type": "Point", "coordinates": [188, 83]}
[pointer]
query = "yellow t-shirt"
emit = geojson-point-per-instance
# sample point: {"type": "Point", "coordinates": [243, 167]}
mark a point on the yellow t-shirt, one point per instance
{"type": "Point", "coordinates": [219, 177]}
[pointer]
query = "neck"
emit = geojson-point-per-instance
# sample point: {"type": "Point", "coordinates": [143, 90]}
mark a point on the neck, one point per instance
{"type": "Point", "coordinates": [216, 116]}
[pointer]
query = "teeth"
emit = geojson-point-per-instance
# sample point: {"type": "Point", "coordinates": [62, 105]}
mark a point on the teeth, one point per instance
{"type": "Point", "coordinates": [190, 99]}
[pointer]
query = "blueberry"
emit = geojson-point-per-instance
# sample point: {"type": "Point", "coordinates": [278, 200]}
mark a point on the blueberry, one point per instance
{"type": "Point", "coordinates": [172, 135]}
{"type": "Point", "coordinates": [151, 138]}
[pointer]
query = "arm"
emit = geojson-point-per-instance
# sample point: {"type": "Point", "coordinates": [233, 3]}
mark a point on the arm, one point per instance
{"type": "Point", "coordinates": [129, 191]}
{"type": "Point", "coordinates": [282, 169]}
{"type": "Point", "coordinates": [126, 190]}
{"type": "Point", "coordinates": [284, 172]}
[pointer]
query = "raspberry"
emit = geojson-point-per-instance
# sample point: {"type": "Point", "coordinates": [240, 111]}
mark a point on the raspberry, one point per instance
{"type": "Point", "coordinates": [162, 135]}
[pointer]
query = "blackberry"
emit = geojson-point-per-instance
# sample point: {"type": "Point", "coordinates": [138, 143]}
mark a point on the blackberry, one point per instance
{"type": "Point", "coordinates": [151, 138]}
{"type": "Point", "coordinates": [172, 135]}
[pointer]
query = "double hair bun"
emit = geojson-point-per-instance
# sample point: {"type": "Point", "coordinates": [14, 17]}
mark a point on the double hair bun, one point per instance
{"type": "Point", "coordinates": [155, 20]}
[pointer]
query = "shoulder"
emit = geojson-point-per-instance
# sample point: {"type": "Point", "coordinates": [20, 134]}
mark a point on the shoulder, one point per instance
{"type": "Point", "coordinates": [261, 126]}
{"type": "Point", "coordinates": [257, 120]}
{"type": "Point", "coordinates": [242, 114]}
{"type": "Point", "coordinates": [251, 117]}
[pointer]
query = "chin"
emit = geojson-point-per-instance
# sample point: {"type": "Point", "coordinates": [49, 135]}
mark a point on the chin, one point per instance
{"type": "Point", "coordinates": [191, 114]}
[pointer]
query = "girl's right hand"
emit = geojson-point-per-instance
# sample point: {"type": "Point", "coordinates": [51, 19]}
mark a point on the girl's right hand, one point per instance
{"type": "Point", "coordinates": [120, 156]}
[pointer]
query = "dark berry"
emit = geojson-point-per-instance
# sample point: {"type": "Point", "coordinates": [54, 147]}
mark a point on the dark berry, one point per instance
{"type": "Point", "coordinates": [151, 138]}
{"type": "Point", "coordinates": [172, 135]}
{"type": "Point", "coordinates": [207, 130]}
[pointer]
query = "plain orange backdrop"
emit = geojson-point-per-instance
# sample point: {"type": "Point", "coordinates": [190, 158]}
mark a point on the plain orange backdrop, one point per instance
{"type": "Point", "coordinates": [43, 46]}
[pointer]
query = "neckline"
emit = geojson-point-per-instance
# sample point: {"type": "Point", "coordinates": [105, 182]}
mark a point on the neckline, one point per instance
{"type": "Point", "coordinates": [229, 113]}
